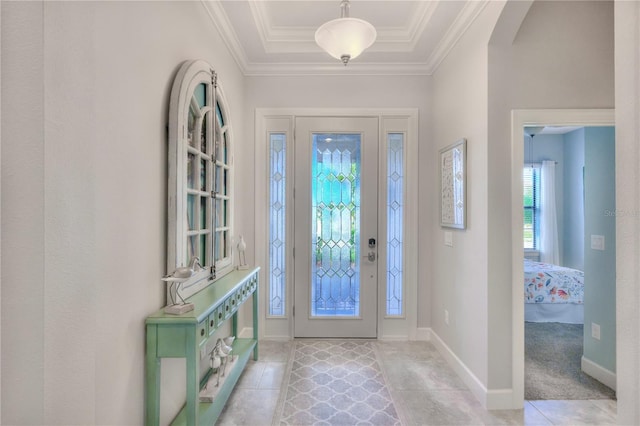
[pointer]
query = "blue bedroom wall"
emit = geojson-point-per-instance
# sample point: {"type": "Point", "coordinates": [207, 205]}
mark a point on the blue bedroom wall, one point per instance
{"type": "Point", "coordinates": [573, 232]}
{"type": "Point", "coordinates": [600, 265]}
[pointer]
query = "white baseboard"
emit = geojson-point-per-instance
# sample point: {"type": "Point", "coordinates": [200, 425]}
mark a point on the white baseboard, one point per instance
{"type": "Point", "coordinates": [246, 333]}
{"type": "Point", "coordinates": [394, 338]}
{"type": "Point", "coordinates": [598, 372]}
{"type": "Point", "coordinates": [495, 399]}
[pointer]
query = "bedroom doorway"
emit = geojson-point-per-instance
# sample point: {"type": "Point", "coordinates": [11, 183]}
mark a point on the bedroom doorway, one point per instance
{"type": "Point", "coordinates": [588, 347]}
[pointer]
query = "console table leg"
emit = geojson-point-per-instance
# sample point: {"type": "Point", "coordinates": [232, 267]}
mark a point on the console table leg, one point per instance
{"type": "Point", "coordinates": [193, 384]}
{"type": "Point", "coordinates": [152, 366]}
{"type": "Point", "coordinates": [234, 324]}
{"type": "Point", "coordinates": [255, 323]}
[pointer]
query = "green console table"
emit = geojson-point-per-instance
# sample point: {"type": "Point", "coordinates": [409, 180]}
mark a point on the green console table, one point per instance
{"type": "Point", "coordinates": [182, 336]}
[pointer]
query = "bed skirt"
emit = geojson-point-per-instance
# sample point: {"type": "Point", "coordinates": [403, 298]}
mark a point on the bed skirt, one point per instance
{"type": "Point", "coordinates": [568, 313]}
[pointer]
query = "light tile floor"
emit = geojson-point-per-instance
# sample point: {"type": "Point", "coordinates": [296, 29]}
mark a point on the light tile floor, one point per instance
{"type": "Point", "coordinates": [425, 389]}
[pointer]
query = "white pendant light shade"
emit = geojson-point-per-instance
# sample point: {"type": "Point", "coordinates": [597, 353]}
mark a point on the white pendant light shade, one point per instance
{"type": "Point", "coordinates": [345, 38]}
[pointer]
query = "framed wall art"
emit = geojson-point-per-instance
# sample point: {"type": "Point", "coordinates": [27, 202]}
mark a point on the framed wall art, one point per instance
{"type": "Point", "coordinates": [453, 185]}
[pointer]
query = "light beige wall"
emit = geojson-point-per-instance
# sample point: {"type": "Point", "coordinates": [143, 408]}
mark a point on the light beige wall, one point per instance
{"type": "Point", "coordinates": [627, 93]}
{"type": "Point", "coordinates": [351, 91]}
{"type": "Point", "coordinates": [84, 200]}
{"type": "Point", "coordinates": [561, 57]}
{"type": "Point", "coordinates": [23, 213]}
{"type": "Point", "coordinates": [459, 279]}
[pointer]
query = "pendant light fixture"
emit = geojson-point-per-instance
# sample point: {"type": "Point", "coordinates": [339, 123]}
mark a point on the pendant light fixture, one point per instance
{"type": "Point", "coordinates": [345, 38]}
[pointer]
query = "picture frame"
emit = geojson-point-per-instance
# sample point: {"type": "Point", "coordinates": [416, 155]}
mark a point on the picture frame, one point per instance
{"type": "Point", "coordinates": [453, 185]}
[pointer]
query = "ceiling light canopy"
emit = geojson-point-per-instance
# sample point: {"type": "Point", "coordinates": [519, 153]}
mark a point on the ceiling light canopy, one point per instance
{"type": "Point", "coordinates": [531, 131]}
{"type": "Point", "coordinates": [345, 38]}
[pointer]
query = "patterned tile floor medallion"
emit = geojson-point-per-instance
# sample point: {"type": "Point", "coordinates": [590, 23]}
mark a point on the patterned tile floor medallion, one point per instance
{"type": "Point", "coordinates": [334, 382]}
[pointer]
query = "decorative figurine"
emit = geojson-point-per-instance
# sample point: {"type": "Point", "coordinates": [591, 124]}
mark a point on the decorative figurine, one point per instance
{"type": "Point", "coordinates": [223, 351]}
{"type": "Point", "coordinates": [242, 258]}
{"type": "Point", "coordinates": [176, 278]}
{"type": "Point", "coordinates": [215, 362]}
{"type": "Point", "coordinates": [228, 341]}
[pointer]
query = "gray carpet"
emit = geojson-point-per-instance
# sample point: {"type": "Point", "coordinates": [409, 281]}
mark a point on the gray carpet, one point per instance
{"type": "Point", "coordinates": [552, 364]}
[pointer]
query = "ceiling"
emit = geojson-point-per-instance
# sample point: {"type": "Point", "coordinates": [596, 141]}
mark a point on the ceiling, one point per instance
{"type": "Point", "coordinates": [276, 37]}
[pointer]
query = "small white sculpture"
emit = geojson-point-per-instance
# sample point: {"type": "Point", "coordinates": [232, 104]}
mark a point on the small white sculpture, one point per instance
{"type": "Point", "coordinates": [228, 341]}
{"type": "Point", "coordinates": [223, 351]}
{"type": "Point", "coordinates": [215, 362]}
{"type": "Point", "coordinates": [176, 278]}
{"type": "Point", "coordinates": [242, 258]}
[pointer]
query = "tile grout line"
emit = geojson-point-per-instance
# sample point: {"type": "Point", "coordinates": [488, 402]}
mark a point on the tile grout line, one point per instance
{"type": "Point", "coordinates": [539, 411]}
{"type": "Point", "coordinates": [284, 386]}
{"type": "Point", "coordinates": [615, 419]}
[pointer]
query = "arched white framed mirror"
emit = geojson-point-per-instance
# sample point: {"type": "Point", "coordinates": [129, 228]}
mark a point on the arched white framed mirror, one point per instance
{"type": "Point", "coordinates": [200, 177]}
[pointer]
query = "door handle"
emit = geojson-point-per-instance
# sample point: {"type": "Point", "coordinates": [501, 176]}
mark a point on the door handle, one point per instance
{"type": "Point", "coordinates": [371, 257]}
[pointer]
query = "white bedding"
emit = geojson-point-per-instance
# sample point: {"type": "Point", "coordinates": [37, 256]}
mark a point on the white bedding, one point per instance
{"type": "Point", "coordinates": [553, 293]}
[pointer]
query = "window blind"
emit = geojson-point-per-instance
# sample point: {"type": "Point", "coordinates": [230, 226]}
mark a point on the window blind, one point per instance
{"type": "Point", "coordinates": [531, 202]}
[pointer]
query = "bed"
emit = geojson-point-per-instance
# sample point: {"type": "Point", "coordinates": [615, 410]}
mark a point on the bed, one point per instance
{"type": "Point", "coordinates": [553, 293]}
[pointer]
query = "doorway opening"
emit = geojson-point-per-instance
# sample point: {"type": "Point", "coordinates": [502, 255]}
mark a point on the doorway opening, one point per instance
{"type": "Point", "coordinates": [597, 125]}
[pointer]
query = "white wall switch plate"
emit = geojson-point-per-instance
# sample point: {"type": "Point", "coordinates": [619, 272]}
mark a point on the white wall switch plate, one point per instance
{"type": "Point", "coordinates": [597, 242]}
{"type": "Point", "coordinates": [448, 238]}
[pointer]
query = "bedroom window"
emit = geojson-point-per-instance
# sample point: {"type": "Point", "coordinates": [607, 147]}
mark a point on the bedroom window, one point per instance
{"type": "Point", "coordinates": [531, 191]}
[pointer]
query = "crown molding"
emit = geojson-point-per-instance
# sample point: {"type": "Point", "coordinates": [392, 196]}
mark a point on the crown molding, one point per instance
{"type": "Point", "coordinates": [301, 40]}
{"type": "Point", "coordinates": [421, 19]}
{"type": "Point", "coordinates": [463, 21]}
{"type": "Point", "coordinates": [335, 68]}
{"type": "Point", "coordinates": [221, 22]}
{"type": "Point", "coordinates": [278, 39]}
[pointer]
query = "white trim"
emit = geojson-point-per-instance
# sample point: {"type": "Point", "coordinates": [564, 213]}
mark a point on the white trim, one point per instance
{"type": "Point", "coordinates": [519, 119]}
{"type": "Point", "coordinates": [496, 399]}
{"type": "Point", "coordinates": [300, 40]}
{"type": "Point", "coordinates": [397, 328]}
{"type": "Point", "coordinates": [598, 372]}
{"type": "Point", "coordinates": [246, 333]}
{"type": "Point", "coordinates": [262, 113]}
{"type": "Point", "coordinates": [463, 21]}
{"type": "Point", "coordinates": [222, 24]}
{"type": "Point", "coordinates": [394, 338]}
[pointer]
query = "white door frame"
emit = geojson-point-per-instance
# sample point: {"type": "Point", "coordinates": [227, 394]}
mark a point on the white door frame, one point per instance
{"type": "Point", "coordinates": [519, 119]}
{"type": "Point", "coordinates": [364, 323]}
{"type": "Point", "coordinates": [281, 328]}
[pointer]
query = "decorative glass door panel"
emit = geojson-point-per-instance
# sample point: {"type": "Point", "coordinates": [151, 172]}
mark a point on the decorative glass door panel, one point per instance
{"type": "Point", "coordinates": [336, 185]}
{"type": "Point", "coordinates": [335, 232]}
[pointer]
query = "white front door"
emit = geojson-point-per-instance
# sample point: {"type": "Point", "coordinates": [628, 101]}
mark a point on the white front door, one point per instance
{"type": "Point", "coordinates": [336, 233]}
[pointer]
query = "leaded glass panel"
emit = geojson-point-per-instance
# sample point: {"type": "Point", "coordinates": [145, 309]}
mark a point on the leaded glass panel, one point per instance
{"type": "Point", "coordinates": [277, 222]}
{"type": "Point", "coordinates": [395, 211]}
{"type": "Point", "coordinates": [335, 251]}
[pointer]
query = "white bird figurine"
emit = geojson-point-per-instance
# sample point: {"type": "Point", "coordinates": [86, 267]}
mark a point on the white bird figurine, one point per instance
{"type": "Point", "coordinates": [215, 362]}
{"type": "Point", "coordinates": [228, 341]}
{"type": "Point", "coordinates": [242, 258]}
{"type": "Point", "coordinates": [223, 351]}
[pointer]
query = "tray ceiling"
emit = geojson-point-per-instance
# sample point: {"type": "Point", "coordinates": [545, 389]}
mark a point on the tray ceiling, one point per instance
{"type": "Point", "coordinates": [276, 37]}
